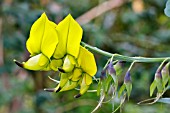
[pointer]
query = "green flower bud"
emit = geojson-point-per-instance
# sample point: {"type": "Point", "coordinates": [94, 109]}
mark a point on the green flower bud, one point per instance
{"type": "Point", "coordinates": [119, 67]}
{"type": "Point", "coordinates": [158, 79]}
{"type": "Point", "coordinates": [128, 83]}
{"type": "Point", "coordinates": [165, 74]}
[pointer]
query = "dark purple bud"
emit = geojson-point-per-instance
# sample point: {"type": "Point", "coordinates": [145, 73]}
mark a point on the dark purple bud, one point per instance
{"type": "Point", "coordinates": [158, 74]}
{"type": "Point", "coordinates": [161, 67]}
{"type": "Point", "coordinates": [127, 77]}
{"type": "Point", "coordinates": [111, 69]}
{"type": "Point", "coordinates": [165, 70]}
{"type": "Point", "coordinates": [103, 74]}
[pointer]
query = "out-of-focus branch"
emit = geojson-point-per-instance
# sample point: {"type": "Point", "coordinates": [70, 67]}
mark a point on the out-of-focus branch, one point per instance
{"type": "Point", "coordinates": [99, 10]}
{"type": "Point", "coordinates": [123, 57]}
{"type": "Point", "coordinates": [1, 44]}
{"type": "Point", "coordinates": [145, 44]}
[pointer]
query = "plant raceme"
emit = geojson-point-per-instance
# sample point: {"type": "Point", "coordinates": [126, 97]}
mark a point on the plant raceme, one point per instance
{"type": "Point", "coordinates": [41, 44]}
{"type": "Point", "coordinates": [57, 47]}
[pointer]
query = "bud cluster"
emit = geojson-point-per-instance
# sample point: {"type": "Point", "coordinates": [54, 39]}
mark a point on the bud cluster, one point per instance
{"type": "Point", "coordinates": [109, 78]}
{"type": "Point", "coordinates": [161, 79]}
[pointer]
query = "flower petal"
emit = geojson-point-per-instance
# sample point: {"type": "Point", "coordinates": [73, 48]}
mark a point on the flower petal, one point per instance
{"type": "Point", "coordinates": [69, 85]}
{"type": "Point", "coordinates": [87, 62]}
{"type": "Point", "coordinates": [38, 62]}
{"type": "Point", "coordinates": [62, 30]}
{"type": "Point", "coordinates": [68, 64]}
{"type": "Point", "coordinates": [88, 79]}
{"type": "Point", "coordinates": [74, 37]}
{"type": "Point", "coordinates": [76, 74]}
{"type": "Point", "coordinates": [70, 34]}
{"type": "Point", "coordinates": [55, 64]}
{"type": "Point", "coordinates": [83, 86]}
{"type": "Point", "coordinates": [43, 37]}
{"type": "Point", "coordinates": [36, 33]}
{"type": "Point", "coordinates": [50, 39]}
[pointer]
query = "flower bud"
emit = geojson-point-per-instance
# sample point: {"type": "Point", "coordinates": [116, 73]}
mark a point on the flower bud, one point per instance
{"type": "Point", "coordinates": [165, 74]}
{"type": "Point", "coordinates": [128, 82]}
{"type": "Point", "coordinates": [103, 74]}
{"type": "Point", "coordinates": [158, 74]}
{"type": "Point", "coordinates": [118, 67]}
{"type": "Point", "coordinates": [127, 77]}
{"type": "Point", "coordinates": [158, 79]}
{"type": "Point", "coordinates": [68, 64]}
{"type": "Point", "coordinates": [37, 62]}
{"type": "Point", "coordinates": [112, 73]}
{"type": "Point", "coordinates": [111, 69]}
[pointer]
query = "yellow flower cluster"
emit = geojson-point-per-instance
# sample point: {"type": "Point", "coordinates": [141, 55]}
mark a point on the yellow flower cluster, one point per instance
{"type": "Point", "coordinates": [57, 47]}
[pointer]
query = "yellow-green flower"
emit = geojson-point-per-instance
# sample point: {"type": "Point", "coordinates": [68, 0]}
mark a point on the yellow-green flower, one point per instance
{"type": "Point", "coordinates": [85, 68]}
{"type": "Point", "coordinates": [87, 63]}
{"type": "Point", "coordinates": [41, 44]}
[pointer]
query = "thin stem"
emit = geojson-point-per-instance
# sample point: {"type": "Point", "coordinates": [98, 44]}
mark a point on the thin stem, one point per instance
{"type": "Point", "coordinates": [131, 65]}
{"type": "Point", "coordinates": [122, 57]}
{"type": "Point", "coordinates": [163, 63]}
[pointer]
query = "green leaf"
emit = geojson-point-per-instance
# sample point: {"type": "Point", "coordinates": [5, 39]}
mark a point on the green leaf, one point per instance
{"type": "Point", "coordinates": [122, 88]}
{"type": "Point", "coordinates": [167, 8]}
{"type": "Point", "coordinates": [152, 87]}
{"type": "Point", "coordinates": [164, 100]}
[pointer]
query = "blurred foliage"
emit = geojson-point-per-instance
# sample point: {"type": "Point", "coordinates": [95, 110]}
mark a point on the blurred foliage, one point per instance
{"type": "Point", "coordinates": [134, 29]}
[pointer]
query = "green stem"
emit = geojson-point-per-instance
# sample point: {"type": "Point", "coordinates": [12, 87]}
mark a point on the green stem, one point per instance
{"type": "Point", "coordinates": [122, 57]}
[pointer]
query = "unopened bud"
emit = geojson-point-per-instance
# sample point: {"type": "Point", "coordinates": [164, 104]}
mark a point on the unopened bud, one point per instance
{"type": "Point", "coordinates": [127, 77]}
{"type": "Point", "coordinates": [158, 79]}
{"type": "Point", "coordinates": [119, 67]}
{"type": "Point", "coordinates": [128, 83]}
{"type": "Point", "coordinates": [37, 62]}
{"type": "Point", "coordinates": [111, 69]}
{"type": "Point", "coordinates": [158, 74]}
{"type": "Point", "coordinates": [165, 74]}
{"type": "Point", "coordinates": [103, 74]}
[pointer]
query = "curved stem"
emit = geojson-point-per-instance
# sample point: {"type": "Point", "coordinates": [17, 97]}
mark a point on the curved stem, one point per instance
{"type": "Point", "coordinates": [122, 57]}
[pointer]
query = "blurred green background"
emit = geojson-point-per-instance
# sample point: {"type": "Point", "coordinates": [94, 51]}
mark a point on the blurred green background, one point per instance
{"type": "Point", "coordinates": [134, 28]}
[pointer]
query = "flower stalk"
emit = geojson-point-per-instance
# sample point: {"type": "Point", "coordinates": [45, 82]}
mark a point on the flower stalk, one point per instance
{"type": "Point", "coordinates": [122, 57]}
